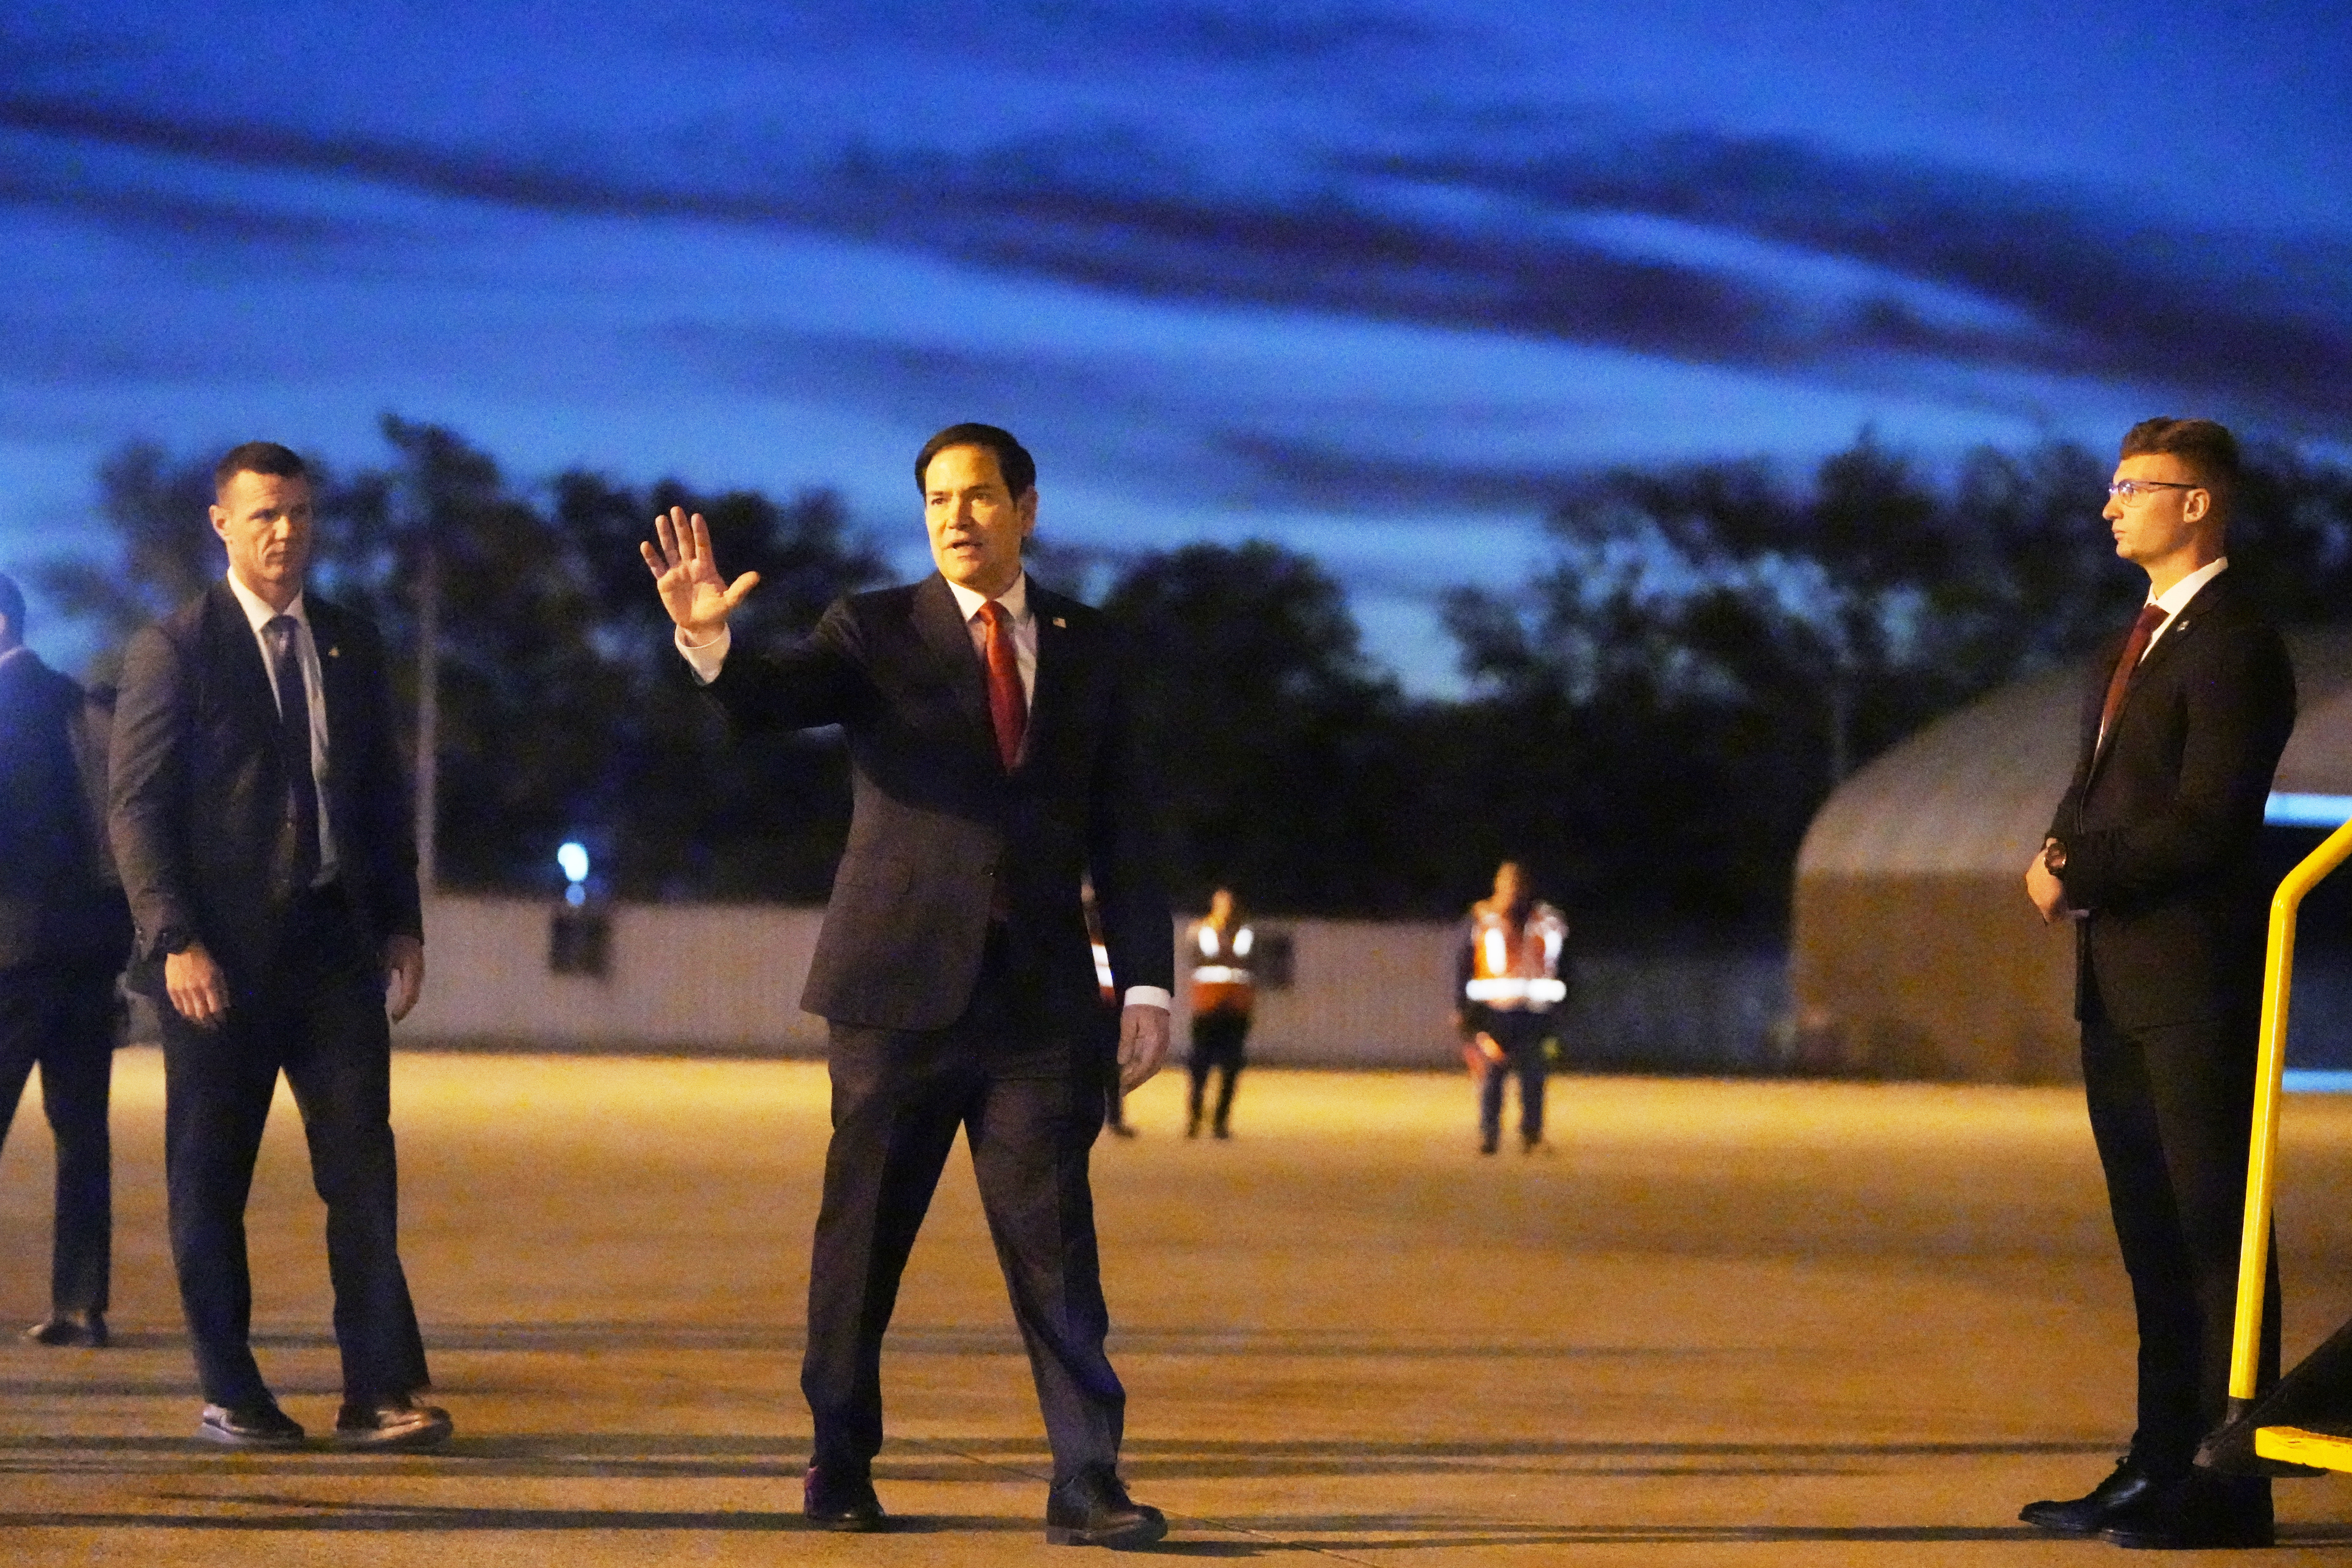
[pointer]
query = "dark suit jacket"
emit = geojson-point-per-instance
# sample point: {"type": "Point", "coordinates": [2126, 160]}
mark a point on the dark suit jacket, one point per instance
{"type": "Point", "coordinates": [2160, 824]}
{"type": "Point", "coordinates": [199, 789]}
{"type": "Point", "coordinates": [940, 829]}
{"type": "Point", "coordinates": [60, 899]}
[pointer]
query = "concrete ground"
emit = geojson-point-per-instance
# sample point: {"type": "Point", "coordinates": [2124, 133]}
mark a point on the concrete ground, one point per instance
{"type": "Point", "coordinates": [1724, 1322]}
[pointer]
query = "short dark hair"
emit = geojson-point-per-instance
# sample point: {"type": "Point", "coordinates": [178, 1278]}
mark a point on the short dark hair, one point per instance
{"type": "Point", "coordinates": [2206, 446]}
{"type": "Point", "coordinates": [1013, 460]}
{"type": "Point", "coordinates": [259, 457]}
{"type": "Point", "coordinates": [12, 609]}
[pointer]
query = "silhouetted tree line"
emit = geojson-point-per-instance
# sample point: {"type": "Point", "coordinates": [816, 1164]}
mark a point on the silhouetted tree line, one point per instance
{"type": "Point", "coordinates": [1652, 720]}
{"type": "Point", "coordinates": [563, 712]}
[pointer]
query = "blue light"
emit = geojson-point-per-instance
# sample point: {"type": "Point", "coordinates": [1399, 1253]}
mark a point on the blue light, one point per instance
{"type": "Point", "coordinates": [574, 858]}
{"type": "Point", "coordinates": [2315, 1081]}
{"type": "Point", "coordinates": [2308, 810]}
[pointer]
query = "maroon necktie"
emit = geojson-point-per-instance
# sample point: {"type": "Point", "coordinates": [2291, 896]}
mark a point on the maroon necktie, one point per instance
{"type": "Point", "coordinates": [1008, 708]}
{"type": "Point", "coordinates": [2143, 632]}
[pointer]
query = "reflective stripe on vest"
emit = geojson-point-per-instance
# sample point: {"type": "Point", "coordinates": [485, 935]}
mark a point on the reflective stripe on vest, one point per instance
{"type": "Point", "coordinates": [1525, 974]}
{"type": "Point", "coordinates": [1513, 988]}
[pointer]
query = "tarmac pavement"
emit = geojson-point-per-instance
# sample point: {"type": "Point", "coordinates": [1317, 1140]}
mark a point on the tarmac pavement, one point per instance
{"type": "Point", "coordinates": [1722, 1322]}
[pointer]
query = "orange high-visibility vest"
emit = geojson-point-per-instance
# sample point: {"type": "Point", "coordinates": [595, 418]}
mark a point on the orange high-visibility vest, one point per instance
{"type": "Point", "coordinates": [1221, 980]}
{"type": "Point", "coordinates": [1516, 971]}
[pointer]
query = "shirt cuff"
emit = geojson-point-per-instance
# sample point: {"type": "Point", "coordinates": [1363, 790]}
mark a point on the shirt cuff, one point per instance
{"type": "Point", "coordinates": [704, 658]}
{"type": "Point", "coordinates": [1150, 996]}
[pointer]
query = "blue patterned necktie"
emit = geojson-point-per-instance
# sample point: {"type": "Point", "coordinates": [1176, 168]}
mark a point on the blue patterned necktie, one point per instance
{"type": "Point", "coordinates": [294, 746]}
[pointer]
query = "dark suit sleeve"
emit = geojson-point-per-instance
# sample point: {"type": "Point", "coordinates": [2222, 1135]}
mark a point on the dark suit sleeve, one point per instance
{"type": "Point", "coordinates": [820, 680]}
{"type": "Point", "coordinates": [1123, 855]}
{"type": "Point", "coordinates": [89, 733]}
{"type": "Point", "coordinates": [147, 785]}
{"type": "Point", "coordinates": [2240, 709]}
{"type": "Point", "coordinates": [2063, 818]}
{"type": "Point", "coordinates": [388, 838]}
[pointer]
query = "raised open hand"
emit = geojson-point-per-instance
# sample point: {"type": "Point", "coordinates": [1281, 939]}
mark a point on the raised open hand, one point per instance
{"type": "Point", "coordinates": [686, 576]}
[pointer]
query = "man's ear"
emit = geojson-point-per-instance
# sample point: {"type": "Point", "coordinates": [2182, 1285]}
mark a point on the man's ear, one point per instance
{"type": "Point", "coordinates": [2197, 505]}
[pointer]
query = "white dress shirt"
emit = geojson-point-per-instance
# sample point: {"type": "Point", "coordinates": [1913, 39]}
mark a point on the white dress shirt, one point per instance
{"type": "Point", "coordinates": [704, 659]}
{"type": "Point", "coordinates": [258, 614]}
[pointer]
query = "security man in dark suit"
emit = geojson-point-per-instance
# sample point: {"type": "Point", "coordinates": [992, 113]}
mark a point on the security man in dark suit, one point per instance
{"type": "Point", "coordinates": [64, 933]}
{"type": "Point", "coordinates": [261, 821]}
{"type": "Point", "coordinates": [2152, 853]}
{"type": "Point", "coordinates": [994, 768]}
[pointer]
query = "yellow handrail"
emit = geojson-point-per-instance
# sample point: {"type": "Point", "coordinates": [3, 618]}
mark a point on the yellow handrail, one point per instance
{"type": "Point", "coordinates": [2278, 974]}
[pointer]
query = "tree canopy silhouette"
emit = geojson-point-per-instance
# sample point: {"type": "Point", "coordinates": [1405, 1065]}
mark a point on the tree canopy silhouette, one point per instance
{"type": "Point", "coordinates": [1652, 723]}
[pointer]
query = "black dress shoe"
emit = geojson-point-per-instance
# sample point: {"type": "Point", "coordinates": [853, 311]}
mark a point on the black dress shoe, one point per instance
{"type": "Point", "coordinates": [1092, 1508]}
{"type": "Point", "coordinates": [391, 1426]}
{"type": "Point", "coordinates": [260, 1424]}
{"type": "Point", "coordinates": [86, 1330]}
{"type": "Point", "coordinates": [2085, 1515]}
{"type": "Point", "coordinates": [2202, 1511]}
{"type": "Point", "coordinates": [831, 1500]}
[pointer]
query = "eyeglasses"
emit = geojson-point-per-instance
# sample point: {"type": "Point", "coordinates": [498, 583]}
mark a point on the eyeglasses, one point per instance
{"type": "Point", "coordinates": [2132, 490]}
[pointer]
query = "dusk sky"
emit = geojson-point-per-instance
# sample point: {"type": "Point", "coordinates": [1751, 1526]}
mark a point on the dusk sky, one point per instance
{"type": "Point", "coordinates": [1373, 280]}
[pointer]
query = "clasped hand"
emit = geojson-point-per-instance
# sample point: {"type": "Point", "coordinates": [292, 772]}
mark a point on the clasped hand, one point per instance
{"type": "Point", "coordinates": [2048, 893]}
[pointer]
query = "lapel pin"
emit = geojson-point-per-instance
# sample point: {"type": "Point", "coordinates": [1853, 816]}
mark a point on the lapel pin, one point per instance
{"type": "Point", "coordinates": [335, 650]}
{"type": "Point", "coordinates": [1061, 623]}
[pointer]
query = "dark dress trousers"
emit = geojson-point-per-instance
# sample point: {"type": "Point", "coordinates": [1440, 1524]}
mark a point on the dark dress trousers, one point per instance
{"type": "Point", "coordinates": [2160, 825]}
{"type": "Point", "coordinates": [203, 833]}
{"type": "Point", "coordinates": [64, 933]}
{"type": "Point", "coordinates": [955, 970]}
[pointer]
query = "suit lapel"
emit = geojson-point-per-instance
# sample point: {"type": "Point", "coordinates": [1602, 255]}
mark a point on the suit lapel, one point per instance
{"type": "Point", "coordinates": [236, 655]}
{"type": "Point", "coordinates": [947, 642]}
{"type": "Point", "coordinates": [2176, 632]}
{"type": "Point", "coordinates": [1047, 702]}
{"type": "Point", "coordinates": [2169, 641]}
{"type": "Point", "coordinates": [327, 628]}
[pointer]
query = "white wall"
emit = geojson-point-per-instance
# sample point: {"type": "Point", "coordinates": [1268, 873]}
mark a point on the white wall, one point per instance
{"type": "Point", "coordinates": [705, 978]}
{"type": "Point", "coordinates": [699, 977]}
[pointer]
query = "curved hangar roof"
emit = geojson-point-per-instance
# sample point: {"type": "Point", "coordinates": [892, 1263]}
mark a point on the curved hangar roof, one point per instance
{"type": "Point", "coordinates": [1973, 791]}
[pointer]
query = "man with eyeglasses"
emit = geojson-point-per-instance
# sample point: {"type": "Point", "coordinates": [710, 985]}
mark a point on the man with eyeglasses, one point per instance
{"type": "Point", "coordinates": [2151, 855]}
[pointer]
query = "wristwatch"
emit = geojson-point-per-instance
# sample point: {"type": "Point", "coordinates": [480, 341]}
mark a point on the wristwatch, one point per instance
{"type": "Point", "coordinates": [172, 940]}
{"type": "Point", "coordinates": [2053, 858]}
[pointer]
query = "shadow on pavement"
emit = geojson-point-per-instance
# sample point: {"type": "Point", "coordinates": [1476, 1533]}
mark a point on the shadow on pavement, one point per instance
{"type": "Point", "coordinates": [781, 1457]}
{"type": "Point", "coordinates": [1327, 1533]}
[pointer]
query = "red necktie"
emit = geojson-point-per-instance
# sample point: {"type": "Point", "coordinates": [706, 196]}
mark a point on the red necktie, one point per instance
{"type": "Point", "coordinates": [1008, 707]}
{"type": "Point", "coordinates": [2143, 632]}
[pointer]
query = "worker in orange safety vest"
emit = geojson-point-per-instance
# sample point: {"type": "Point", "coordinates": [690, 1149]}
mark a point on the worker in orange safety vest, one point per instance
{"type": "Point", "coordinates": [1224, 995]}
{"type": "Point", "coordinates": [1510, 983]}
